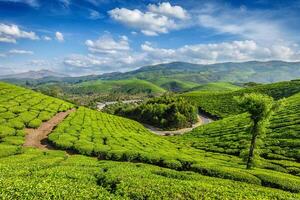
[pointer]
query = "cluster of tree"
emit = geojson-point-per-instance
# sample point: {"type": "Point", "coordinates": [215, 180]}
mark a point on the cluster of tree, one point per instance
{"type": "Point", "coordinates": [166, 112]}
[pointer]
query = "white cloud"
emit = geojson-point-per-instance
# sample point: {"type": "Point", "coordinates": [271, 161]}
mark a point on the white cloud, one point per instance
{"type": "Point", "coordinates": [32, 3]}
{"type": "Point", "coordinates": [95, 15]}
{"type": "Point", "coordinates": [106, 44]}
{"type": "Point", "coordinates": [106, 54]}
{"type": "Point", "coordinates": [157, 20]}
{"type": "Point", "coordinates": [47, 38]}
{"type": "Point", "coordinates": [83, 61]}
{"type": "Point", "coordinates": [11, 32]}
{"type": "Point", "coordinates": [111, 59]}
{"type": "Point", "coordinates": [59, 36]}
{"type": "Point", "coordinates": [167, 9]}
{"type": "Point", "coordinates": [20, 51]}
{"type": "Point", "coordinates": [222, 52]}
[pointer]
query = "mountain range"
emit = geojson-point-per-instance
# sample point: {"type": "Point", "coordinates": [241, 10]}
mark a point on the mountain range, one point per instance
{"type": "Point", "coordinates": [33, 75]}
{"type": "Point", "coordinates": [252, 71]}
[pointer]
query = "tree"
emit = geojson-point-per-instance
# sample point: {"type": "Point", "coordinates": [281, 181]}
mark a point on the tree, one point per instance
{"type": "Point", "coordinates": [260, 107]}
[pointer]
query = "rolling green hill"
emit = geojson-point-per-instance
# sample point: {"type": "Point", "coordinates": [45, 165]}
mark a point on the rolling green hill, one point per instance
{"type": "Point", "coordinates": [222, 104]}
{"type": "Point", "coordinates": [217, 86]}
{"type": "Point", "coordinates": [131, 86]}
{"type": "Point", "coordinates": [20, 108]}
{"type": "Point", "coordinates": [178, 72]}
{"type": "Point", "coordinates": [87, 93]}
{"type": "Point", "coordinates": [173, 85]}
{"type": "Point", "coordinates": [252, 71]}
{"type": "Point", "coordinates": [194, 173]}
{"type": "Point", "coordinates": [230, 136]}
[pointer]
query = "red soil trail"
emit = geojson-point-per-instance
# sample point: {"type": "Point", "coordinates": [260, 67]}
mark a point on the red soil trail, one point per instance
{"type": "Point", "coordinates": [38, 137]}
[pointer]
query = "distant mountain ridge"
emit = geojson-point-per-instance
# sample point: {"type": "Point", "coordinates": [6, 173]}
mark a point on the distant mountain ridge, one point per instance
{"type": "Point", "coordinates": [251, 71]}
{"type": "Point", "coordinates": [235, 72]}
{"type": "Point", "coordinates": [33, 75]}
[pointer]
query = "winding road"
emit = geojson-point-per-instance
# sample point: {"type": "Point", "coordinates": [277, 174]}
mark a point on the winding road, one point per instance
{"type": "Point", "coordinates": [202, 119]}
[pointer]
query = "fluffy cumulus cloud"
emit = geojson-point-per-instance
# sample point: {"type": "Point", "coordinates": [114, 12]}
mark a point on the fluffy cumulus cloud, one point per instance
{"type": "Point", "coordinates": [78, 60]}
{"type": "Point", "coordinates": [59, 36]}
{"type": "Point", "coordinates": [106, 44]}
{"type": "Point", "coordinates": [167, 9]}
{"type": "Point", "coordinates": [156, 20]}
{"type": "Point", "coordinates": [222, 52]}
{"type": "Point", "coordinates": [20, 51]}
{"type": "Point", "coordinates": [11, 33]}
{"type": "Point", "coordinates": [106, 54]}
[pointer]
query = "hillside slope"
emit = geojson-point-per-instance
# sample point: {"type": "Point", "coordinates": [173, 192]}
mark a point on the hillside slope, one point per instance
{"type": "Point", "coordinates": [223, 104]}
{"type": "Point", "coordinates": [216, 86]}
{"type": "Point", "coordinates": [130, 86]}
{"type": "Point", "coordinates": [230, 136]}
{"type": "Point", "coordinates": [252, 71]}
{"type": "Point", "coordinates": [20, 108]}
{"type": "Point", "coordinates": [28, 173]}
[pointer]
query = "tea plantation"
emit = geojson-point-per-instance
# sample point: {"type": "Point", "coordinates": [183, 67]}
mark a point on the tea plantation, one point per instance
{"type": "Point", "coordinates": [222, 104]}
{"type": "Point", "coordinates": [230, 136]}
{"type": "Point", "coordinates": [55, 175]}
{"type": "Point", "coordinates": [123, 160]}
{"type": "Point", "coordinates": [20, 108]}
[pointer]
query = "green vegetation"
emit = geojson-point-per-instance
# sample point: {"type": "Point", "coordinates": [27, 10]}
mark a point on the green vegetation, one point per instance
{"type": "Point", "coordinates": [173, 85]}
{"type": "Point", "coordinates": [130, 86]}
{"type": "Point", "coordinates": [260, 107]}
{"type": "Point", "coordinates": [114, 138]}
{"type": "Point", "coordinates": [231, 136]}
{"type": "Point", "coordinates": [54, 175]}
{"type": "Point", "coordinates": [166, 112]}
{"type": "Point", "coordinates": [223, 104]}
{"type": "Point", "coordinates": [217, 86]}
{"type": "Point", "coordinates": [194, 173]}
{"type": "Point", "coordinates": [89, 92]}
{"type": "Point", "coordinates": [20, 108]}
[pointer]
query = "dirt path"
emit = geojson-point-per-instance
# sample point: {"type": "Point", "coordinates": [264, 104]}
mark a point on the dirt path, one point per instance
{"type": "Point", "coordinates": [38, 137]}
{"type": "Point", "coordinates": [201, 121]}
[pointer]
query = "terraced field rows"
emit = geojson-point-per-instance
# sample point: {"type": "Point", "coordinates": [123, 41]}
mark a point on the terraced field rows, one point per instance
{"type": "Point", "coordinates": [53, 175]}
{"type": "Point", "coordinates": [20, 108]}
{"type": "Point", "coordinates": [230, 136]}
{"type": "Point", "coordinates": [33, 173]}
{"type": "Point", "coordinates": [223, 104]}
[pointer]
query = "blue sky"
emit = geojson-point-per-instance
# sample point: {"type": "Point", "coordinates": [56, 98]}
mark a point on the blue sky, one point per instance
{"type": "Point", "coordinates": [80, 37]}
